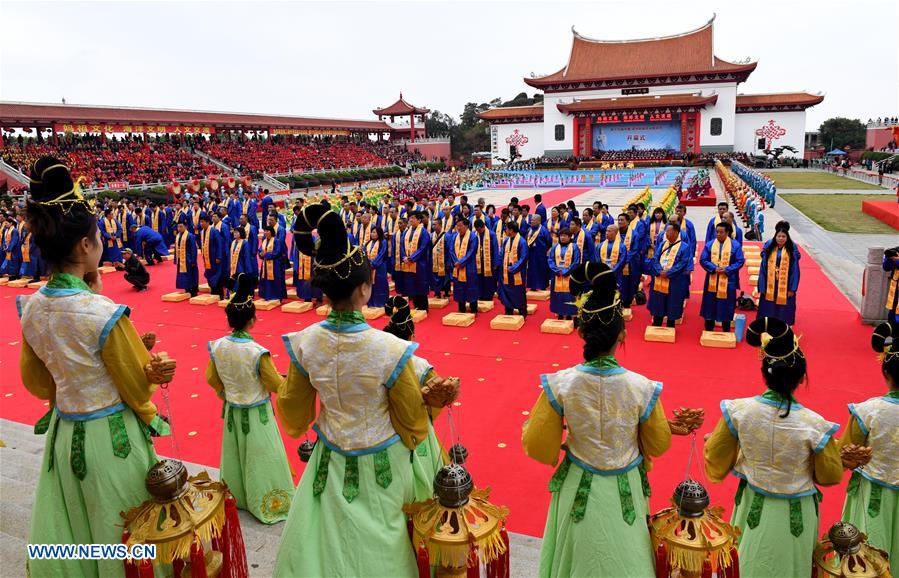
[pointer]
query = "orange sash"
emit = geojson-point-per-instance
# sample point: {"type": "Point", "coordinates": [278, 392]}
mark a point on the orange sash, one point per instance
{"type": "Point", "coordinates": [438, 256]}
{"type": "Point", "coordinates": [411, 246]}
{"type": "Point", "coordinates": [372, 248]}
{"type": "Point", "coordinates": [780, 274]}
{"type": "Point", "coordinates": [484, 257]}
{"type": "Point", "coordinates": [124, 224]}
{"type": "Point", "coordinates": [461, 247]}
{"type": "Point", "coordinates": [304, 272]}
{"type": "Point", "coordinates": [181, 244]}
{"type": "Point", "coordinates": [721, 258]}
{"type": "Point", "coordinates": [563, 261]}
{"type": "Point", "coordinates": [7, 236]}
{"type": "Point", "coordinates": [235, 254]}
{"type": "Point", "coordinates": [894, 286]}
{"type": "Point", "coordinates": [204, 243]}
{"type": "Point", "coordinates": [397, 239]}
{"type": "Point", "coordinates": [579, 241]}
{"type": "Point", "coordinates": [510, 256]}
{"type": "Point", "coordinates": [246, 207]}
{"type": "Point", "coordinates": [111, 230]}
{"type": "Point", "coordinates": [195, 217]}
{"type": "Point", "coordinates": [555, 225]}
{"type": "Point", "coordinates": [26, 248]}
{"type": "Point", "coordinates": [268, 265]}
{"type": "Point", "coordinates": [666, 259]}
{"type": "Point", "coordinates": [654, 230]}
{"type": "Point", "coordinates": [154, 220]}
{"type": "Point", "coordinates": [612, 259]}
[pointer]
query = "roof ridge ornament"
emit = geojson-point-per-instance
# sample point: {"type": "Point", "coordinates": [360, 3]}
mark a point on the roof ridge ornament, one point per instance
{"type": "Point", "coordinates": [709, 23]}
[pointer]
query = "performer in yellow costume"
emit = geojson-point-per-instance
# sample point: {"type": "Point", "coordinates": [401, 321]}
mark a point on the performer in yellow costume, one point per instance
{"type": "Point", "coordinates": [253, 464]}
{"type": "Point", "coordinates": [872, 497]}
{"type": "Point", "coordinates": [779, 450]}
{"type": "Point", "coordinates": [596, 524]}
{"type": "Point", "coordinates": [81, 353]}
{"type": "Point", "coordinates": [346, 518]}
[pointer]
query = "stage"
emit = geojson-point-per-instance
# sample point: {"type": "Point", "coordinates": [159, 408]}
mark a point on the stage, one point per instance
{"type": "Point", "coordinates": [886, 211]}
{"type": "Point", "coordinates": [500, 379]}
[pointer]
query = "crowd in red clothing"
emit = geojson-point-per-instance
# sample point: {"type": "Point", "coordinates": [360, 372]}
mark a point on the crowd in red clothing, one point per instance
{"type": "Point", "coordinates": [101, 161]}
{"type": "Point", "coordinates": [286, 156]}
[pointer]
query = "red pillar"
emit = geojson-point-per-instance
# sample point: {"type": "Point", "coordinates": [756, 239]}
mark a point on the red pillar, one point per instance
{"type": "Point", "coordinates": [412, 126]}
{"type": "Point", "coordinates": [683, 132]}
{"type": "Point", "coordinates": [588, 136]}
{"type": "Point", "coordinates": [575, 137]}
{"type": "Point", "coordinates": [696, 132]}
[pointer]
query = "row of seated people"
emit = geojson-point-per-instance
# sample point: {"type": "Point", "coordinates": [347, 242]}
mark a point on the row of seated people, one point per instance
{"type": "Point", "coordinates": [397, 155]}
{"type": "Point", "coordinates": [635, 155]}
{"type": "Point", "coordinates": [289, 155]}
{"type": "Point", "coordinates": [101, 161]}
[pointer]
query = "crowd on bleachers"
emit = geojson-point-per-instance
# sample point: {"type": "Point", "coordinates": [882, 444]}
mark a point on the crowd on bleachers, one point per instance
{"type": "Point", "coordinates": [280, 155]}
{"type": "Point", "coordinates": [102, 160]}
{"type": "Point", "coordinates": [636, 155]}
{"type": "Point", "coordinates": [710, 158]}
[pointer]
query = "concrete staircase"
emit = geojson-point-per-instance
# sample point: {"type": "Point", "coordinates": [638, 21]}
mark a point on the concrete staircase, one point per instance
{"type": "Point", "coordinates": [227, 169]}
{"type": "Point", "coordinates": [20, 463]}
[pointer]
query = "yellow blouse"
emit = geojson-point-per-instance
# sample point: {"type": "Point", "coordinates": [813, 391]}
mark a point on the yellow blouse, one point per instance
{"type": "Point", "coordinates": [268, 375]}
{"type": "Point", "coordinates": [854, 434]}
{"type": "Point", "coordinates": [542, 433]}
{"type": "Point", "coordinates": [124, 356]}
{"type": "Point", "coordinates": [408, 414]}
{"type": "Point", "coordinates": [721, 449]}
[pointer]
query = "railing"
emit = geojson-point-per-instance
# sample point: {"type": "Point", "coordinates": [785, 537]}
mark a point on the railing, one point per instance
{"type": "Point", "coordinates": [886, 181]}
{"type": "Point", "coordinates": [882, 123]}
{"type": "Point", "coordinates": [14, 172]}
{"type": "Point", "coordinates": [214, 161]}
{"type": "Point", "coordinates": [314, 171]}
{"type": "Point", "coordinates": [274, 183]}
{"type": "Point", "coordinates": [428, 140]}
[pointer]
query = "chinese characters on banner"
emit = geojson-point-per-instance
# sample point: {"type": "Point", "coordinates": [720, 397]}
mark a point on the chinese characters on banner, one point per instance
{"type": "Point", "coordinates": [132, 128]}
{"type": "Point", "coordinates": [309, 131]}
{"type": "Point", "coordinates": [616, 118]}
{"type": "Point", "coordinates": [494, 139]}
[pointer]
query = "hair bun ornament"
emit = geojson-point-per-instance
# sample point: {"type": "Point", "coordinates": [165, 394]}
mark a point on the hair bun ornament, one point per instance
{"type": "Point", "coordinates": [244, 287]}
{"type": "Point", "coordinates": [883, 342]}
{"type": "Point", "coordinates": [51, 183]}
{"type": "Point", "coordinates": [397, 308]}
{"type": "Point", "coordinates": [775, 338]}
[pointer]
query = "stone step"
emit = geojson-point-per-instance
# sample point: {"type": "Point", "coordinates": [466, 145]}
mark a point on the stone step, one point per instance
{"type": "Point", "coordinates": [16, 519]}
{"type": "Point", "coordinates": [17, 492]}
{"type": "Point", "coordinates": [13, 551]}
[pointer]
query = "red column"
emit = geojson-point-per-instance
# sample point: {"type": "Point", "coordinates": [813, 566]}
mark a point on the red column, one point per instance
{"type": "Point", "coordinates": [412, 126]}
{"type": "Point", "coordinates": [683, 132]}
{"type": "Point", "coordinates": [696, 132]}
{"type": "Point", "coordinates": [588, 136]}
{"type": "Point", "coordinates": [575, 137]}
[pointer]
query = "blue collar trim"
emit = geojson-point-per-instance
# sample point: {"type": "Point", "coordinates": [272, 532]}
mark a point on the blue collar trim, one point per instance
{"type": "Point", "coordinates": [601, 371]}
{"type": "Point", "coordinates": [345, 327]}
{"type": "Point", "coordinates": [782, 404]}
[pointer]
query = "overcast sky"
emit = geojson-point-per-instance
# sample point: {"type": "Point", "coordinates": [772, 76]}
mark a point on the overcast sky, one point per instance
{"type": "Point", "coordinates": [341, 59]}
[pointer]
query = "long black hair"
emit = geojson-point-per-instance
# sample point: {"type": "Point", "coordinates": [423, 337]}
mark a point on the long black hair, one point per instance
{"type": "Point", "coordinates": [783, 362]}
{"type": "Point", "coordinates": [400, 324]}
{"type": "Point", "coordinates": [338, 267]}
{"type": "Point", "coordinates": [601, 321]}
{"type": "Point", "coordinates": [57, 214]}
{"type": "Point", "coordinates": [885, 341]}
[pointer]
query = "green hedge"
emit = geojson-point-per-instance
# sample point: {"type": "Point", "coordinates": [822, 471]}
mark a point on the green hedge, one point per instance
{"type": "Point", "coordinates": [304, 180]}
{"type": "Point", "coordinates": [875, 155]}
{"type": "Point", "coordinates": [429, 167]}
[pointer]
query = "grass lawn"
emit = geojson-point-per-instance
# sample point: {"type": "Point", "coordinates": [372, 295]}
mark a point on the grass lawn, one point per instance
{"type": "Point", "coordinates": [841, 213]}
{"type": "Point", "coordinates": [817, 180]}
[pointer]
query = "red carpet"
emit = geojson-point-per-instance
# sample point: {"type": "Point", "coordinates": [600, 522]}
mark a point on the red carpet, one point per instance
{"type": "Point", "coordinates": [708, 200]}
{"type": "Point", "coordinates": [886, 211]}
{"type": "Point", "coordinates": [499, 372]}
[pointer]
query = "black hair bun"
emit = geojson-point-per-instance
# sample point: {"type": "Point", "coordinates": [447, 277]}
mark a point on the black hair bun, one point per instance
{"type": "Point", "coordinates": [243, 285]}
{"type": "Point", "coordinates": [882, 337]}
{"type": "Point", "coordinates": [50, 179]}
{"type": "Point", "coordinates": [782, 226]}
{"type": "Point", "coordinates": [397, 308]}
{"type": "Point", "coordinates": [331, 231]}
{"type": "Point", "coordinates": [782, 341]}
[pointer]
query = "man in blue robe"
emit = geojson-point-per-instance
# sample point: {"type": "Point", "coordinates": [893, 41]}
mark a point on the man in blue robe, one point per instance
{"type": "Point", "coordinates": [465, 269]}
{"type": "Point", "coordinates": [187, 274]}
{"type": "Point", "coordinates": [605, 253]}
{"type": "Point", "coordinates": [581, 239]}
{"type": "Point", "coordinates": [670, 278]}
{"type": "Point", "coordinates": [111, 234]}
{"type": "Point", "coordinates": [272, 282]}
{"type": "Point", "coordinates": [417, 243]}
{"type": "Point", "coordinates": [240, 256]}
{"type": "Point", "coordinates": [251, 235]}
{"type": "Point", "coordinates": [513, 257]}
{"type": "Point", "coordinates": [234, 208]}
{"type": "Point", "coordinates": [150, 244]}
{"type": "Point", "coordinates": [539, 241]}
{"type": "Point", "coordinates": [722, 259]}
{"type": "Point", "coordinates": [397, 252]}
{"type": "Point", "coordinates": [212, 249]}
{"type": "Point", "coordinates": [540, 209]}
{"type": "Point", "coordinates": [441, 261]}
{"type": "Point", "coordinates": [713, 222]}
{"type": "Point", "coordinates": [267, 201]}
{"type": "Point", "coordinates": [486, 261]}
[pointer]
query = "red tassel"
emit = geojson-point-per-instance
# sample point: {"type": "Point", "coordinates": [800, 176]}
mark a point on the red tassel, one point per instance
{"type": "Point", "coordinates": [197, 560]}
{"type": "Point", "coordinates": [734, 570]}
{"type": "Point", "coordinates": [230, 544]}
{"type": "Point", "coordinates": [131, 569]}
{"type": "Point", "coordinates": [504, 565]}
{"type": "Point", "coordinates": [706, 570]}
{"type": "Point", "coordinates": [145, 569]}
{"type": "Point", "coordinates": [424, 561]}
{"type": "Point", "coordinates": [474, 565]}
{"type": "Point", "coordinates": [177, 567]}
{"type": "Point", "coordinates": [662, 570]}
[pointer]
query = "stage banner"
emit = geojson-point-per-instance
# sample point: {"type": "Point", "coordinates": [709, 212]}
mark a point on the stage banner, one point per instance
{"type": "Point", "coordinates": [117, 185]}
{"type": "Point", "coordinates": [637, 135]}
{"type": "Point", "coordinates": [133, 128]}
{"type": "Point", "coordinates": [309, 131]}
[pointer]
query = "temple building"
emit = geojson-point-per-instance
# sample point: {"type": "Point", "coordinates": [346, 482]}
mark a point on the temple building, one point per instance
{"type": "Point", "coordinates": [670, 92]}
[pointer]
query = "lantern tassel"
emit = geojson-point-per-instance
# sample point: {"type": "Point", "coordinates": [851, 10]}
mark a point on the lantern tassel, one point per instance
{"type": "Point", "coordinates": [424, 562]}
{"type": "Point", "coordinates": [197, 560]}
{"type": "Point", "coordinates": [662, 570]}
{"type": "Point", "coordinates": [499, 567]}
{"type": "Point", "coordinates": [734, 570]}
{"type": "Point", "coordinates": [706, 569]}
{"type": "Point", "coordinates": [131, 569]}
{"type": "Point", "coordinates": [474, 565]}
{"type": "Point", "coordinates": [231, 545]}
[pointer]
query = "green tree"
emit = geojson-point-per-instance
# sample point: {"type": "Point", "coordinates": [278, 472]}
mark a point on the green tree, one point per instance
{"type": "Point", "coordinates": [439, 124]}
{"type": "Point", "coordinates": [840, 132]}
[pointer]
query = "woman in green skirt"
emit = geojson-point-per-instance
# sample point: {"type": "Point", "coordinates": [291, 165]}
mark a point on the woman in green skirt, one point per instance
{"type": "Point", "coordinates": [429, 456]}
{"type": "Point", "coordinates": [872, 498]}
{"type": "Point", "coordinates": [253, 464]}
{"type": "Point", "coordinates": [81, 353]}
{"type": "Point", "coordinates": [346, 518]}
{"type": "Point", "coordinates": [780, 450]}
{"type": "Point", "coordinates": [596, 525]}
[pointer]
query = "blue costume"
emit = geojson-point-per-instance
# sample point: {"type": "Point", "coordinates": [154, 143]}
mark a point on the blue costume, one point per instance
{"type": "Point", "coordinates": [377, 256]}
{"type": "Point", "coordinates": [267, 201]}
{"type": "Point", "coordinates": [441, 263]}
{"type": "Point", "coordinates": [541, 210]}
{"type": "Point", "coordinates": [32, 265]}
{"type": "Point", "coordinates": [397, 252]}
{"type": "Point", "coordinates": [252, 239]}
{"type": "Point", "coordinates": [157, 220]}
{"type": "Point", "coordinates": [669, 302]}
{"type": "Point", "coordinates": [487, 265]}
{"type": "Point", "coordinates": [584, 244]}
{"type": "Point", "coordinates": [212, 248]}
{"type": "Point", "coordinates": [718, 303]}
{"type": "Point", "coordinates": [892, 268]}
{"type": "Point", "coordinates": [272, 285]}
{"type": "Point", "coordinates": [187, 275]}
{"type": "Point", "coordinates": [605, 254]}
{"type": "Point", "coordinates": [768, 305]}
{"type": "Point", "coordinates": [417, 275]}
{"type": "Point", "coordinates": [150, 244]}
{"type": "Point", "coordinates": [466, 288]}
{"type": "Point", "coordinates": [234, 210]}
{"type": "Point", "coordinates": [513, 257]}
{"type": "Point", "coordinates": [239, 258]}
{"type": "Point", "coordinates": [539, 242]}
{"type": "Point", "coordinates": [248, 208]}
{"type": "Point", "coordinates": [12, 251]}
{"type": "Point", "coordinates": [111, 233]}
{"type": "Point", "coordinates": [560, 300]}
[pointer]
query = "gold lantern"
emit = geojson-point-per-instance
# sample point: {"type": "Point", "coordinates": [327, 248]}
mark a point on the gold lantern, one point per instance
{"type": "Point", "coordinates": [193, 523]}
{"type": "Point", "coordinates": [691, 539]}
{"type": "Point", "coordinates": [844, 553]}
{"type": "Point", "coordinates": [459, 528]}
